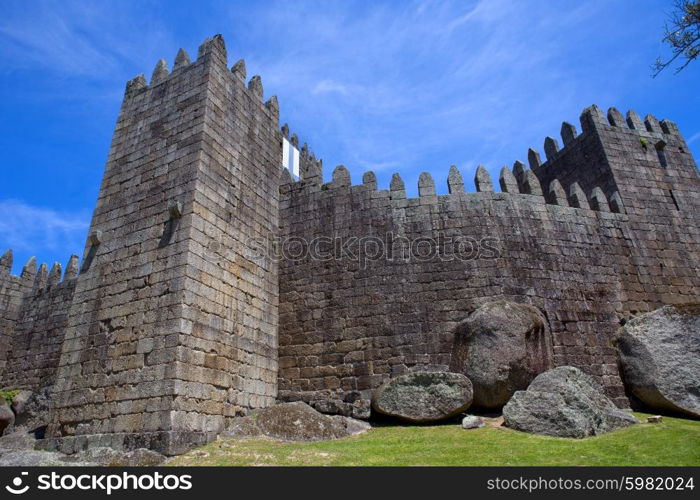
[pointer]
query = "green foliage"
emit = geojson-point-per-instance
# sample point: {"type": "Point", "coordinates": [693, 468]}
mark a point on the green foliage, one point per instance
{"type": "Point", "coordinates": [9, 394]}
{"type": "Point", "coordinates": [682, 34]}
{"type": "Point", "coordinates": [671, 442]}
{"type": "Point", "coordinates": [644, 142]}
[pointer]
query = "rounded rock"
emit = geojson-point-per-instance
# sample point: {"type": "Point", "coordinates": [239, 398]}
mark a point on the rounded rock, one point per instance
{"type": "Point", "coordinates": [501, 347]}
{"type": "Point", "coordinates": [424, 397]}
{"type": "Point", "coordinates": [7, 416]}
{"type": "Point", "coordinates": [660, 358]}
{"type": "Point", "coordinates": [299, 422]}
{"type": "Point", "coordinates": [472, 422]}
{"type": "Point", "coordinates": [564, 402]}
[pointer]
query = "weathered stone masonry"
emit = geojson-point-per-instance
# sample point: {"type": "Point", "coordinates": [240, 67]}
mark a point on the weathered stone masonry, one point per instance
{"type": "Point", "coordinates": [612, 241]}
{"type": "Point", "coordinates": [174, 325]}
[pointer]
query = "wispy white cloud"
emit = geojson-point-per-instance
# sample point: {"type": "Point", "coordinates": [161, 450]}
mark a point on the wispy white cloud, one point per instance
{"type": "Point", "coordinates": [73, 39]}
{"type": "Point", "coordinates": [24, 227]}
{"type": "Point", "coordinates": [398, 84]}
{"type": "Point", "coordinates": [411, 86]}
{"type": "Point", "coordinates": [329, 85]}
{"type": "Point", "coordinates": [694, 137]}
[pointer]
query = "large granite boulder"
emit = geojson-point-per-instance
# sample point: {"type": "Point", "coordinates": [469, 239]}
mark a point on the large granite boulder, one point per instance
{"type": "Point", "coordinates": [423, 397]}
{"type": "Point", "coordinates": [7, 416]}
{"type": "Point", "coordinates": [32, 409]}
{"type": "Point", "coordinates": [501, 347]}
{"type": "Point", "coordinates": [660, 358]}
{"type": "Point", "coordinates": [564, 402]}
{"type": "Point", "coordinates": [299, 422]}
{"type": "Point", "coordinates": [19, 402]}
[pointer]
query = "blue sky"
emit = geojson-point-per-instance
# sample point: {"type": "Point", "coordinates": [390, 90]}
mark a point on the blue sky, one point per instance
{"type": "Point", "coordinates": [390, 86]}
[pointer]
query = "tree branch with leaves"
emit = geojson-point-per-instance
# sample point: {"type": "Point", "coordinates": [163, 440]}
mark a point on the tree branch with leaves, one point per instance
{"type": "Point", "coordinates": [682, 34]}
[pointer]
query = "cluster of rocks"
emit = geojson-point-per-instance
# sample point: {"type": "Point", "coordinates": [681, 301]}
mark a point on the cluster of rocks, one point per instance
{"type": "Point", "coordinates": [562, 401]}
{"type": "Point", "coordinates": [502, 361]}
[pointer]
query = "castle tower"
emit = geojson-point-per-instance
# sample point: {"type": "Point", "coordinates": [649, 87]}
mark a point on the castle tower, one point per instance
{"type": "Point", "coordinates": [173, 326]}
{"type": "Point", "coordinates": [643, 170]}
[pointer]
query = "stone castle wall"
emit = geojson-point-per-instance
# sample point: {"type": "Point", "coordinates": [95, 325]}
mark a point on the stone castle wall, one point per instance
{"type": "Point", "coordinates": [212, 283]}
{"type": "Point", "coordinates": [347, 324]}
{"type": "Point", "coordinates": [33, 318]}
{"type": "Point", "coordinates": [35, 346]}
{"type": "Point", "coordinates": [12, 291]}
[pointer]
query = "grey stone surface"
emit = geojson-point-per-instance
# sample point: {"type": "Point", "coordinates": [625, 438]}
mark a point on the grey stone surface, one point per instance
{"type": "Point", "coordinates": [423, 397]}
{"type": "Point", "coordinates": [19, 402]}
{"type": "Point", "coordinates": [25, 456]}
{"type": "Point", "coordinates": [472, 422]}
{"type": "Point", "coordinates": [299, 422]}
{"type": "Point", "coordinates": [32, 409]}
{"type": "Point", "coordinates": [114, 458]}
{"type": "Point", "coordinates": [17, 440]}
{"type": "Point", "coordinates": [501, 347]}
{"type": "Point", "coordinates": [350, 426]}
{"type": "Point", "coordinates": [242, 427]}
{"type": "Point", "coordinates": [564, 402]}
{"type": "Point", "coordinates": [7, 417]}
{"type": "Point", "coordinates": [347, 326]}
{"type": "Point", "coordinates": [660, 358]}
{"type": "Point", "coordinates": [33, 458]}
{"type": "Point", "coordinates": [170, 329]}
{"type": "Point", "coordinates": [455, 181]}
{"type": "Point", "coordinates": [482, 180]}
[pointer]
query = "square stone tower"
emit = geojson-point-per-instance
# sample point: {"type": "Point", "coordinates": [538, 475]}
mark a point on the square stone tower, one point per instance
{"type": "Point", "coordinates": [173, 326]}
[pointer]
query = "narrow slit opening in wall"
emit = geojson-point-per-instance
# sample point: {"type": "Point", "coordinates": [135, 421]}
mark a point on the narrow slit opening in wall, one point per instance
{"type": "Point", "coordinates": [673, 197]}
{"type": "Point", "coordinates": [290, 158]}
{"type": "Point", "coordinates": [661, 153]}
{"type": "Point", "coordinates": [168, 232]}
{"type": "Point", "coordinates": [87, 261]}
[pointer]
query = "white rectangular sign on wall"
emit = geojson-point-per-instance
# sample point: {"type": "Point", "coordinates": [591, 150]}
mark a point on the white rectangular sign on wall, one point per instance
{"type": "Point", "coordinates": [290, 157]}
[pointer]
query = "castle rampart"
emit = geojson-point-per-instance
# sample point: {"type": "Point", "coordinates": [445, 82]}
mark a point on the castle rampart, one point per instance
{"type": "Point", "coordinates": [39, 320]}
{"type": "Point", "coordinates": [585, 259]}
{"type": "Point", "coordinates": [213, 282]}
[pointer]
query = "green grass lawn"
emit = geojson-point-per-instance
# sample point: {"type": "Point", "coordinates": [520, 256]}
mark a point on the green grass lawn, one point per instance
{"type": "Point", "coordinates": [672, 442]}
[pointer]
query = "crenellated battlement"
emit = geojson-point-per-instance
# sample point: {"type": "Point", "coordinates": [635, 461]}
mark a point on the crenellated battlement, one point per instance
{"type": "Point", "coordinates": [38, 279]}
{"type": "Point", "coordinates": [33, 308]}
{"type": "Point", "coordinates": [518, 180]}
{"type": "Point", "coordinates": [211, 50]}
{"type": "Point", "coordinates": [592, 120]}
{"type": "Point", "coordinates": [518, 183]}
{"type": "Point", "coordinates": [585, 166]}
